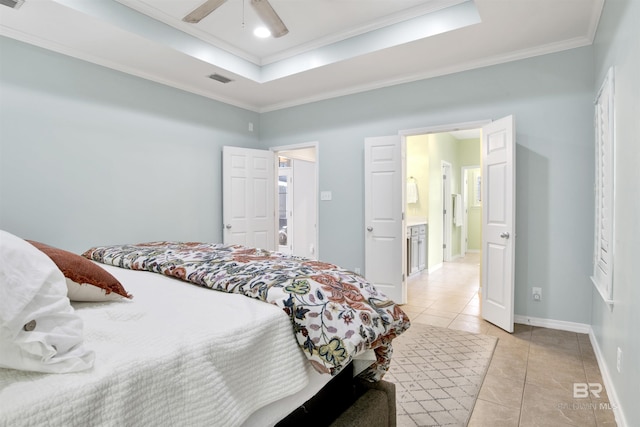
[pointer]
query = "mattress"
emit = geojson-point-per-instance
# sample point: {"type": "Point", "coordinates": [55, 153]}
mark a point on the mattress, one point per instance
{"type": "Point", "coordinates": [176, 354]}
{"type": "Point", "coordinates": [336, 315]}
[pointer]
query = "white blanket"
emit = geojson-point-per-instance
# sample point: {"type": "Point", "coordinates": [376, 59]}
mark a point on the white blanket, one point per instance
{"type": "Point", "coordinates": [176, 354]}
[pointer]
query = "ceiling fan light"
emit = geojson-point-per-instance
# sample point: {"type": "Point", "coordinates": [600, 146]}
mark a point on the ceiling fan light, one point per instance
{"type": "Point", "coordinates": [262, 32]}
{"type": "Point", "coordinates": [269, 17]}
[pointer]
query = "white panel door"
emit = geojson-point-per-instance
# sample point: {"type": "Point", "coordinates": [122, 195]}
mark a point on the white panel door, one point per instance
{"type": "Point", "coordinates": [248, 197]}
{"type": "Point", "coordinates": [384, 200]}
{"type": "Point", "coordinates": [498, 222]}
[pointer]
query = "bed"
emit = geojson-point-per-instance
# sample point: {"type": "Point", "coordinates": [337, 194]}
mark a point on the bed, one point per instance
{"type": "Point", "coordinates": [192, 334]}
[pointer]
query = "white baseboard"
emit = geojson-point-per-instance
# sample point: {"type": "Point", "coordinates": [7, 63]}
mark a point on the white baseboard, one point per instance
{"type": "Point", "coordinates": [562, 325]}
{"type": "Point", "coordinates": [621, 421]}
{"type": "Point", "coordinates": [583, 328]}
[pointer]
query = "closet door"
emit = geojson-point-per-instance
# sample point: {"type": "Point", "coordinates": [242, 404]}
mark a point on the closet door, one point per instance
{"type": "Point", "coordinates": [248, 197]}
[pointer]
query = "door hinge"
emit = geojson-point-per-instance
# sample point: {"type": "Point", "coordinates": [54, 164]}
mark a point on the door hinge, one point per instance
{"type": "Point", "coordinates": [403, 216]}
{"type": "Point", "coordinates": [444, 176]}
{"type": "Point", "coordinates": [403, 277]}
{"type": "Point", "coordinates": [444, 246]}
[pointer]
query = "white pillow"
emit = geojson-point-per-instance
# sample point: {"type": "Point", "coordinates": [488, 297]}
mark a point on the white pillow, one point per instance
{"type": "Point", "coordinates": [39, 331]}
{"type": "Point", "coordinates": [86, 292]}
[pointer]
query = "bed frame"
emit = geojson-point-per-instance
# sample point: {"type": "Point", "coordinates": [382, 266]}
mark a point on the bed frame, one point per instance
{"type": "Point", "coordinates": [347, 402]}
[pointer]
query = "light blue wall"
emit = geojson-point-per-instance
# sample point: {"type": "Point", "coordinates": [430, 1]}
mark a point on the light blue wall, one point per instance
{"type": "Point", "coordinates": [551, 98]}
{"type": "Point", "coordinates": [90, 156]}
{"type": "Point", "coordinates": [618, 44]}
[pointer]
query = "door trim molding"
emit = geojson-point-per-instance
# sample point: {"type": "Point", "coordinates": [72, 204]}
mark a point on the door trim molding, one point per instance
{"type": "Point", "coordinates": [310, 144]}
{"type": "Point", "coordinates": [445, 128]}
{"type": "Point", "coordinates": [447, 229]}
{"type": "Point", "coordinates": [464, 234]}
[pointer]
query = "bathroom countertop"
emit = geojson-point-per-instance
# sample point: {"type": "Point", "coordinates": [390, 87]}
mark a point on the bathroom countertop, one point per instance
{"type": "Point", "coordinates": [411, 221]}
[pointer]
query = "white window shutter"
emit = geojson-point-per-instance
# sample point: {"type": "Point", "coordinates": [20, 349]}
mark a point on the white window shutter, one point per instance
{"type": "Point", "coordinates": [604, 189]}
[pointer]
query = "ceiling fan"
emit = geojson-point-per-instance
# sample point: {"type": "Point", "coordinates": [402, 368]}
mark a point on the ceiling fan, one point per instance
{"type": "Point", "coordinates": [262, 7]}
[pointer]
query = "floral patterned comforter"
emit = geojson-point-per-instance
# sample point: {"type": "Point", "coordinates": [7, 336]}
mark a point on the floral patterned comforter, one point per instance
{"type": "Point", "coordinates": [336, 314]}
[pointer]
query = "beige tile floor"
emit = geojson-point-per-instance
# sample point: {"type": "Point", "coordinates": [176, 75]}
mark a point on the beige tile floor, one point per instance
{"type": "Point", "coordinates": [530, 381]}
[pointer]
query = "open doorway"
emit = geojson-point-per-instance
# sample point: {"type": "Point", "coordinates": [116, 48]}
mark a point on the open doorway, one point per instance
{"type": "Point", "coordinates": [444, 168]}
{"type": "Point", "coordinates": [443, 172]}
{"type": "Point", "coordinates": [296, 200]}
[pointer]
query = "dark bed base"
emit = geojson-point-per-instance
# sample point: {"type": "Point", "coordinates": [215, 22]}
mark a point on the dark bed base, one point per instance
{"type": "Point", "coordinates": [347, 402]}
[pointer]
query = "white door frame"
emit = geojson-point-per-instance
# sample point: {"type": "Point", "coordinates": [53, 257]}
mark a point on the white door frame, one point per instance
{"type": "Point", "coordinates": [446, 210]}
{"type": "Point", "coordinates": [444, 128]}
{"type": "Point", "coordinates": [315, 145]}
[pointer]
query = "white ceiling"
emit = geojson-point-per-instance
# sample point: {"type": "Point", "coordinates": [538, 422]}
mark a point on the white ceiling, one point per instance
{"type": "Point", "coordinates": [334, 47]}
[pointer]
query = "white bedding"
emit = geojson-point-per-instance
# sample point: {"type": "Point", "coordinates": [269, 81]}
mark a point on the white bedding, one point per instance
{"type": "Point", "coordinates": [176, 354]}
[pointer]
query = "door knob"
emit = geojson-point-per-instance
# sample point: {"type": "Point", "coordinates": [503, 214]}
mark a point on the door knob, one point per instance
{"type": "Point", "coordinates": [369, 228]}
{"type": "Point", "coordinates": [228, 226]}
{"type": "Point", "coordinates": [504, 235]}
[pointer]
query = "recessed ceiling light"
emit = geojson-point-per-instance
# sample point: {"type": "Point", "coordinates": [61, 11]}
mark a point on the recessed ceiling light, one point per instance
{"type": "Point", "coordinates": [262, 32]}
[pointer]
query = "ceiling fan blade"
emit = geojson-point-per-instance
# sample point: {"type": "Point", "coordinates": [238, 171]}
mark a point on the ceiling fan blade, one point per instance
{"type": "Point", "coordinates": [203, 11]}
{"type": "Point", "coordinates": [270, 17]}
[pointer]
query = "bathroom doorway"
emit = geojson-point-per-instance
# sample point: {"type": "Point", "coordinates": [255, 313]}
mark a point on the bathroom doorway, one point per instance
{"type": "Point", "coordinates": [296, 200]}
{"type": "Point", "coordinates": [440, 166]}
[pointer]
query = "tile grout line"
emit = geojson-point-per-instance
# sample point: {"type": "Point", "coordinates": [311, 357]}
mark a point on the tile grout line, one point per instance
{"type": "Point", "coordinates": [526, 373]}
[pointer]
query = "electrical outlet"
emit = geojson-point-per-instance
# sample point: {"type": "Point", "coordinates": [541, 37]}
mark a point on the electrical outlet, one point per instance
{"type": "Point", "coordinates": [619, 360]}
{"type": "Point", "coordinates": [357, 270]}
{"type": "Point", "coordinates": [537, 294]}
